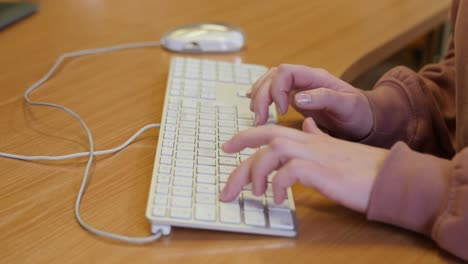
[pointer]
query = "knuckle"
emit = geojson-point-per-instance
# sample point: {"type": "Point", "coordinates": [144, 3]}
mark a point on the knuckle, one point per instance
{"type": "Point", "coordinates": [323, 72]}
{"type": "Point", "coordinates": [323, 93]}
{"type": "Point", "coordinates": [282, 68]}
{"type": "Point", "coordinates": [292, 165]}
{"type": "Point", "coordinates": [278, 144]}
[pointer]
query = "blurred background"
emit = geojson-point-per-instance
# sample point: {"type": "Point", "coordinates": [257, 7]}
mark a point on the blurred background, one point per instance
{"type": "Point", "coordinates": [426, 49]}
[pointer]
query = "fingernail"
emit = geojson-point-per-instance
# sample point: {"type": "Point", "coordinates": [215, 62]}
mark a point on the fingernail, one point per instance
{"type": "Point", "coordinates": [278, 109]}
{"type": "Point", "coordinates": [302, 98]}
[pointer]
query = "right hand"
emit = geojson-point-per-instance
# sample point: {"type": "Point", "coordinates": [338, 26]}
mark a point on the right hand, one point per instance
{"type": "Point", "coordinates": [334, 104]}
{"type": "Point", "coordinates": [341, 170]}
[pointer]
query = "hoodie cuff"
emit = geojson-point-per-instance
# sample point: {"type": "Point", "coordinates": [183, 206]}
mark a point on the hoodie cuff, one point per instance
{"type": "Point", "coordinates": [395, 115]}
{"type": "Point", "coordinates": [410, 189]}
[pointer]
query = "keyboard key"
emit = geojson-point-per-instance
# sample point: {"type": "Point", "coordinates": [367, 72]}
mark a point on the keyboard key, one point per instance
{"type": "Point", "coordinates": [168, 143]}
{"type": "Point", "coordinates": [281, 219]}
{"type": "Point", "coordinates": [170, 128]}
{"type": "Point", "coordinates": [189, 155]}
{"type": "Point", "coordinates": [245, 122]}
{"type": "Point", "coordinates": [159, 210]}
{"type": "Point", "coordinates": [186, 139]}
{"type": "Point", "coordinates": [162, 178]}
{"type": "Point", "coordinates": [207, 153]}
{"type": "Point", "coordinates": [206, 161]}
{"type": "Point", "coordinates": [252, 202]}
{"type": "Point", "coordinates": [244, 157]}
{"type": "Point", "coordinates": [182, 213]}
{"type": "Point", "coordinates": [179, 181]}
{"type": "Point", "coordinates": [209, 179]}
{"type": "Point", "coordinates": [182, 202]}
{"type": "Point", "coordinates": [191, 169]}
{"type": "Point", "coordinates": [224, 154]}
{"type": "Point", "coordinates": [205, 198]}
{"type": "Point", "coordinates": [211, 170]}
{"type": "Point", "coordinates": [183, 172]}
{"type": "Point", "coordinates": [224, 123]}
{"type": "Point", "coordinates": [223, 177]}
{"type": "Point", "coordinates": [227, 130]}
{"type": "Point", "coordinates": [226, 169]}
{"type": "Point", "coordinates": [272, 205]}
{"type": "Point", "coordinates": [184, 163]}
{"type": "Point", "coordinates": [187, 147]}
{"type": "Point", "coordinates": [205, 212]}
{"type": "Point", "coordinates": [205, 130]}
{"type": "Point", "coordinates": [248, 151]}
{"type": "Point", "coordinates": [162, 189]}
{"type": "Point", "coordinates": [229, 213]}
{"type": "Point", "coordinates": [160, 199]}
{"type": "Point", "coordinates": [207, 137]}
{"type": "Point", "coordinates": [228, 161]}
{"type": "Point", "coordinates": [167, 151]}
{"type": "Point", "coordinates": [187, 131]}
{"type": "Point", "coordinates": [181, 191]}
{"type": "Point", "coordinates": [206, 188]}
{"type": "Point", "coordinates": [254, 218]}
{"type": "Point", "coordinates": [269, 191]}
{"type": "Point", "coordinates": [187, 124]}
{"type": "Point", "coordinates": [166, 160]}
{"type": "Point", "coordinates": [206, 145]}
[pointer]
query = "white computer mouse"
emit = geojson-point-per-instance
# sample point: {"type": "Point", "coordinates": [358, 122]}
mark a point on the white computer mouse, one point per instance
{"type": "Point", "coordinates": [204, 37]}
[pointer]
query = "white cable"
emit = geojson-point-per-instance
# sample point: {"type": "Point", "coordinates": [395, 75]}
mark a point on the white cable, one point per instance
{"type": "Point", "coordinates": [91, 152]}
{"type": "Point", "coordinates": [81, 154]}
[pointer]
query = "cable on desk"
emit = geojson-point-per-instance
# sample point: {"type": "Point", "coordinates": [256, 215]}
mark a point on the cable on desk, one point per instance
{"type": "Point", "coordinates": [91, 153]}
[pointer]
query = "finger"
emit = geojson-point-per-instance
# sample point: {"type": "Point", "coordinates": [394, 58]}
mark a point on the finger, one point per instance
{"type": "Point", "coordinates": [308, 173]}
{"type": "Point", "coordinates": [301, 77]}
{"type": "Point", "coordinates": [258, 169]}
{"type": "Point", "coordinates": [260, 80]}
{"type": "Point", "coordinates": [261, 135]}
{"type": "Point", "coordinates": [261, 101]}
{"type": "Point", "coordinates": [236, 181]}
{"type": "Point", "coordinates": [268, 159]}
{"type": "Point", "coordinates": [339, 103]}
{"type": "Point", "coordinates": [260, 83]}
{"type": "Point", "coordinates": [309, 126]}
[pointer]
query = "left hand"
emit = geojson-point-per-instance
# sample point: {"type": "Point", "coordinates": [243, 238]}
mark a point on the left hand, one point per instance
{"type": "Point", "coordinates": [341, 170]}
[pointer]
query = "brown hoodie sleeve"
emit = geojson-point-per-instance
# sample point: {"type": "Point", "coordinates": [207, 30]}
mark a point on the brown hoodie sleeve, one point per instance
{"type": "Point", "coordinates": [425, 194]}
{"type": "Point", "coordinates": [416, 108]}
{"type": "Point", "coordinates": [421, 192]}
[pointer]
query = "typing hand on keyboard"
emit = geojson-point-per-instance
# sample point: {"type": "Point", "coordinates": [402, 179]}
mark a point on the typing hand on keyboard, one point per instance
{"type": "Point", "coordinates": [205, 106]}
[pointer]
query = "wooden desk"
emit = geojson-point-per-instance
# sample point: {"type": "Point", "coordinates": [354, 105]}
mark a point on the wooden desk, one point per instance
{"type": "Point", "coordinates": [120, 92]}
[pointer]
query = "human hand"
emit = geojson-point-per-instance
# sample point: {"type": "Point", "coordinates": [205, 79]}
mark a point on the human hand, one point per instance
{"type": "Point", "coordinates": [333, 103]}
{"type": "Point", "coordinates": [341, 170]}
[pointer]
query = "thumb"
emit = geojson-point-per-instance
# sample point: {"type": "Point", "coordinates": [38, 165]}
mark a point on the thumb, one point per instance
{"type": "Point", "coordinates": [323, 99]}
{"type": "Point", "coordinates": [309, 126]}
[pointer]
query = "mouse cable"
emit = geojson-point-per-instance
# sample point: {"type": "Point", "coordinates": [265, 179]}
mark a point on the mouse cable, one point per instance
{"type": "Point", "coordinates": [91, 153]}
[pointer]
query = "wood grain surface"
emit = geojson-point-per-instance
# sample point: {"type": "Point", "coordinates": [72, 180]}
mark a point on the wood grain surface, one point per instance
{"type": "Point", "coordinates": [118, 93]}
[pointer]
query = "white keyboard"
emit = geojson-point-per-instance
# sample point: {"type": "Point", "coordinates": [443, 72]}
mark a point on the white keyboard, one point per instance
{"type": "Point", "coordinates": [204, 106]}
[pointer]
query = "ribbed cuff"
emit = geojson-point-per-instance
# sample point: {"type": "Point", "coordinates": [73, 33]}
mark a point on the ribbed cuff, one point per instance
{"type": "Point", "coordinates": [410, 189]}
{"type": "Point", "coordinates": [396, 115]}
